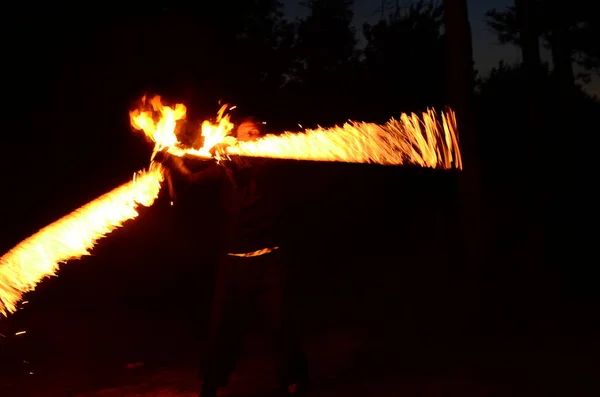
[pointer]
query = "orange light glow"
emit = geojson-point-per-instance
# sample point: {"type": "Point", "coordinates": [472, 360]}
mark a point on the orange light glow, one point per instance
{"type": "Point", "coordinates": [426, 142]}
{"type": "Point", "coordinates": [429, 140]}
{"type": "Point", "coordinates": [72, 236]}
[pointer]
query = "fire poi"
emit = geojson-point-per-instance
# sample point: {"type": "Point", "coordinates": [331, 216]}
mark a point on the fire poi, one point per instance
{"type": "Point", "coordinates": [426, 141]}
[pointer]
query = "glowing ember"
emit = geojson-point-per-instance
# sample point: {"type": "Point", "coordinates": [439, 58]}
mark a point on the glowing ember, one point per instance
{"type": "Point", "coordinates": [72, 236]}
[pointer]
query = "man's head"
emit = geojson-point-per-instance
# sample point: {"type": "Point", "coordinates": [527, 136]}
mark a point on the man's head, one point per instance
{"type": "Point", "coordinates": [248, 131]}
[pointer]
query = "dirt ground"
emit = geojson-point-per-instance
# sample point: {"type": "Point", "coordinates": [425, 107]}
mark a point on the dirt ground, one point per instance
{"type": "Point", "coordinates": [348, 362]}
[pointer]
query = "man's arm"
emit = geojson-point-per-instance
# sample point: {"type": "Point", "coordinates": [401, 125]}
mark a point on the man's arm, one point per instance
{"type": "Point", "coordinates": [213, 173]}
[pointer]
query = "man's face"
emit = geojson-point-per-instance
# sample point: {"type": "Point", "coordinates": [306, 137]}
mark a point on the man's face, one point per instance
{"type": "Point", "coordinates": [248, 131]}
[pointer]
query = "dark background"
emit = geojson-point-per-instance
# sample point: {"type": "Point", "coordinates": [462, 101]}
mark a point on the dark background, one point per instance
{"type": "Point", "coordinates": [425, 269]}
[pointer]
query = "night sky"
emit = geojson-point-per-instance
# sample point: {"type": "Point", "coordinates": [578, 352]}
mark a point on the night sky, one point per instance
{"type": "Point", "coordinates": [486, 51]}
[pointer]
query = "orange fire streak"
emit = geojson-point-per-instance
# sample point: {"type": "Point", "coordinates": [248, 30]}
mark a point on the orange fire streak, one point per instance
{"type": "Point", "coordinates": [426, 141]}
{"type": "Point", "coordinates": [72, 236]}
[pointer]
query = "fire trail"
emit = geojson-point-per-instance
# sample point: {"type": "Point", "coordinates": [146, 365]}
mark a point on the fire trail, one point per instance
{"type": "Point", "coordinates": [429, 140]}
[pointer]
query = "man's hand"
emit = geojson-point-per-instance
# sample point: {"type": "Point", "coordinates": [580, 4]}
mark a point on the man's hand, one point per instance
{"type": "Point", "coordinates": [162, 156]}
{"type": "Point", "coordinates": [219, 150]}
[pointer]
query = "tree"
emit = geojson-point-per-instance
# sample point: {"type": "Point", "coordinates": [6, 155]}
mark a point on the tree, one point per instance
{"type": "Point", "coordinates": [460, 84]}
{"type": "Point", "coordinates": [569, 32]}
{"type": "Point", "coordinates": [326, 59]}
{"type": "Point", "coordinates": [530, 47]}
{"type": "Point", "coordinates": [460, 76]}
{"type": "Point", "coordinates": [264, 52]}
{"type": "Point", "coordinates": [326, 38]}
{"type": "Point", "coordinates": [506, 88]}
{"type": "Point", "coordinates": [404, 57]}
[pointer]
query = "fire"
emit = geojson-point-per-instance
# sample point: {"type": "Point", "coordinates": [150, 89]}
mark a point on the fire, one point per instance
{"type": "Point", "coordinates": [158, 122]}
{"type": "Point", "coordinates": [215, 133]}
{"type": "Point", "coordinates": [426, 141]}
{"type": "Point", "coordinates": [72, 236]}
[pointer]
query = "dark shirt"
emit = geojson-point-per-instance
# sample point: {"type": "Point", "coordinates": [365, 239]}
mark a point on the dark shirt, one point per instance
{"type": "Point", "coordinates": [251, 210]}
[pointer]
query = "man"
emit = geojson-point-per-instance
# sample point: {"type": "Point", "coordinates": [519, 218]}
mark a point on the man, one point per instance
{"type": "Point", "coordinates": [252, 269]}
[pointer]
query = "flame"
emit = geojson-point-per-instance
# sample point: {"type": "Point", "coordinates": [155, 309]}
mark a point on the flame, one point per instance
{"type": "Point", "coordinates": [425, 142]}
{"type": "Point", "coordinates": [428, 140]}
{"type": "Point", "coordinates": [72, 236]}
{"type": "Point", "coordinates": [215, 133]}
{"type": "Point", "coordinates": [158, 121]}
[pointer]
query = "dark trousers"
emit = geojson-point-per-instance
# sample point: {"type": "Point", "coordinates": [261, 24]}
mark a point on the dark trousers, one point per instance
{"type": "Point", "coordinates": [244, 285]}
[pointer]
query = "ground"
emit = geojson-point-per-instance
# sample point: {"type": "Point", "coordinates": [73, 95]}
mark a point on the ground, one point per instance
{"type": "Point", "coordinates": [346, 362]}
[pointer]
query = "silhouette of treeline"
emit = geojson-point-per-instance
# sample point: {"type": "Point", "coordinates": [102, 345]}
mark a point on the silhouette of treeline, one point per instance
{"type": "Point", "coordinates": [546, 98]}
{"type": "Point", "coordinates": [314, 70]}
{"type": "Point", "coordinates": [308, 71]}
{"type": "Point", "coordinates": [534, 120]}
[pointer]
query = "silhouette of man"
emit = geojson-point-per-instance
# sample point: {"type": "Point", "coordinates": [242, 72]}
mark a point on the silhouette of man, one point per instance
{"type": "Point", "coordinates": [252, 269]}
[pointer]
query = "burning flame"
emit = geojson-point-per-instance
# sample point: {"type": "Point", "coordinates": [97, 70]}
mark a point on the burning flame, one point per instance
{"type": "Point", "coordinates": [158, 123]}
{"type": "Point", "coordinates": [72, 236]}
{"type": "Point", "coordinates": [426, 141]}
{"type": "Point", "coordinates": [159, 128]}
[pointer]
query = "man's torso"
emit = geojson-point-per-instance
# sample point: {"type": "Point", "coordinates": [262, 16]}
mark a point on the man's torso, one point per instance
{"type": "Point", "coordinates": [250, 207]}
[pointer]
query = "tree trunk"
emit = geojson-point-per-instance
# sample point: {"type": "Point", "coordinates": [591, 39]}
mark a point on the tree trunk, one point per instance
{"type": "Point", "coordinates": [530, 48]}
{"type": "Point", "coordinates": [530, 44]}
{"type": "Point", "coordinates": [460, 85]}
{"type": "Point", "coordinates": [560, 252]}
{"type": "Point", "coordinates": [528, 276]}
{"type": "Point", "coordinates": [562, 60]}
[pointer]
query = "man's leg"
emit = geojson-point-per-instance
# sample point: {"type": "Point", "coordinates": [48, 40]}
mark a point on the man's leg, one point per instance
{"type": "Point", "coordinates": [224, 337]}
{"type": "Point", "coordinates": [274, 303]}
